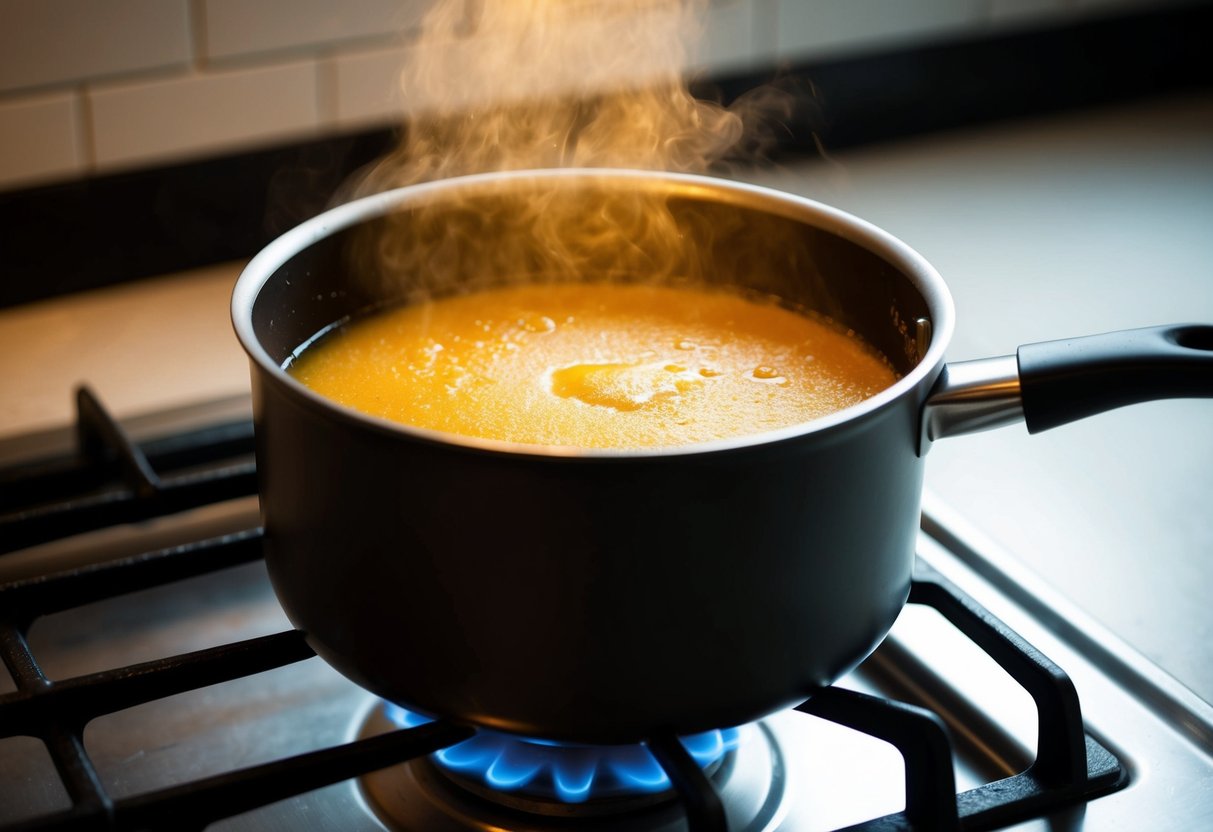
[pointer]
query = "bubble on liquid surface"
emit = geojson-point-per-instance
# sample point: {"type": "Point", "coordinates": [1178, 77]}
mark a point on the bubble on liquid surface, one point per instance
{"type": "Point", "coordinates": [537, 323]}
{"type": "Point", "coordinates": [768, 375]}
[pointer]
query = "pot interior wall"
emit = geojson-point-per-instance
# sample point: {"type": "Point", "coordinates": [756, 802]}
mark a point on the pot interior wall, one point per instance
{"type": "Point", "coordinates": [533, 231]}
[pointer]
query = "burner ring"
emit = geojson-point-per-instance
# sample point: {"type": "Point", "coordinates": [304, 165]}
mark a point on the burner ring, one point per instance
{"type": "Point", "coordinates": [718, 772]}
{"type": "Point", "coordinates": [751, 781]}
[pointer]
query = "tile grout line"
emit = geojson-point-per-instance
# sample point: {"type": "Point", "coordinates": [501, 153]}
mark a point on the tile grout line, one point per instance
{"type": "Point", "coordinates": [326, 88]}
{"type": "Point", "coordinates": [86, 134]}
{"type": "Point", "coordinates": [196, 20]}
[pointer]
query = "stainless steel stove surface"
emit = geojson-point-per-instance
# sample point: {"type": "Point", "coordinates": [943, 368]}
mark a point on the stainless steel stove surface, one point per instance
{"type": "Point", "coordinates": [180, 728]}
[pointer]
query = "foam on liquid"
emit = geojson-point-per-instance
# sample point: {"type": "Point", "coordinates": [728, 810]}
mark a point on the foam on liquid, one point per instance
{"type": "Point", "coordinates": [594, 365]}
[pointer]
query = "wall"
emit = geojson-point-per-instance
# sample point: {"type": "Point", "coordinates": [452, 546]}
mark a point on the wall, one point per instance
{"type": "Point", "coordinates": [99, 86]}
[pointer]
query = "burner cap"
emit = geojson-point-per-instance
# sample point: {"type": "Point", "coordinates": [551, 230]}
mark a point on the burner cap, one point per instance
{"type": "Point", "coordinates": [494, 764]}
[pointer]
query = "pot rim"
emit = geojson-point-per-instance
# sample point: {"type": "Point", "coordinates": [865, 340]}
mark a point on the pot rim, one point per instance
{"type": "Point", "coordinates": [921, 274]}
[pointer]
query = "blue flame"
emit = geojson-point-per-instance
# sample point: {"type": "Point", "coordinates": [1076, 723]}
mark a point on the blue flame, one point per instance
{"type": "Point", "coordinates": [569, 773]}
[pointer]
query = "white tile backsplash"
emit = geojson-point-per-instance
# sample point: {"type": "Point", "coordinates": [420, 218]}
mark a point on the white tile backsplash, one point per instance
{"type": "Point", "coordinates": [159, 120]}
{"type": "Point", "coordinates": [367, 87]}
{"type": "Point", "coordinates": [368, 81]}
{"type": "Point", "coordinates": [821, 28]}
{"type": "Point", "coordinates": [592, 55]}
{"type": "Point", "coordinates": [249, 27]}
{"type": "Point", "coordinates": [728, 37]}
{"type": "Point", "coordinates": [95, 85]}
{"type": "Point", "coordinates": [39, 139]}
{"type": "Point", "coordinates": [44, 42]}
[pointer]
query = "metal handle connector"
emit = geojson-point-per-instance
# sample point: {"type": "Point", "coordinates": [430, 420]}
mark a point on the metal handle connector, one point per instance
{"type": "Point", "coordinates": [972, 396]}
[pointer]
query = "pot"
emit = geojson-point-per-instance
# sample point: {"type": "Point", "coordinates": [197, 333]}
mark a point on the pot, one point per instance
{"type": "Point", "coordinates": [603, 596]}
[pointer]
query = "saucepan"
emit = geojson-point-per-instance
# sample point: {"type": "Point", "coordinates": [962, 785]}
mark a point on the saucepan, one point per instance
{"type": "Point", "coordinates": [603, 596]}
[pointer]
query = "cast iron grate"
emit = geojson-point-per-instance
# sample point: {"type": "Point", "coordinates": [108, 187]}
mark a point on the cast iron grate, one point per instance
{"type": "Point", "coordinates": [110, 480]}
{"type": "Point", "coordinates": [1070, 766]}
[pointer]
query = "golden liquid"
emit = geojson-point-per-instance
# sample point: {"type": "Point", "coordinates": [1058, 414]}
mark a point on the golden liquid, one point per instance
{"type": "Point", "coordinates": [594, 365]}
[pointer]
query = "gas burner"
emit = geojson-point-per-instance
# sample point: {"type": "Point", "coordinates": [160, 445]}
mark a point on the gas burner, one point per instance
{"type": "Point", "coordinates": [542, 776]}
{"type": "Point", "coordinates": [750, 775]}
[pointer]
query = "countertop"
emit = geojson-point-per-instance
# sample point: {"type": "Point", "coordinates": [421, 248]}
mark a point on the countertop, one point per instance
{"type": "Point", "coordinates": [1050, 228]}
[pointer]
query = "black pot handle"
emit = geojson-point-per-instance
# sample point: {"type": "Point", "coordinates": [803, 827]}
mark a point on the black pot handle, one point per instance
{"type": "Point", "coordinates": [1055, 382]}
{"type": "Point", "coordinates": [1062, 381]}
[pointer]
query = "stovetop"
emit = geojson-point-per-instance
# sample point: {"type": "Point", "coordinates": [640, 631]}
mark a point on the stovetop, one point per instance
{"type": "Point", "coordinates": [179, 691]}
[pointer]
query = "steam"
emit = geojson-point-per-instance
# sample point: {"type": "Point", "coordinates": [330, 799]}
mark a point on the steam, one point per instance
{"type": "Point", "coordinates": [525, 84]}
{"type": "Point", "coordinates": [500, 85]}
